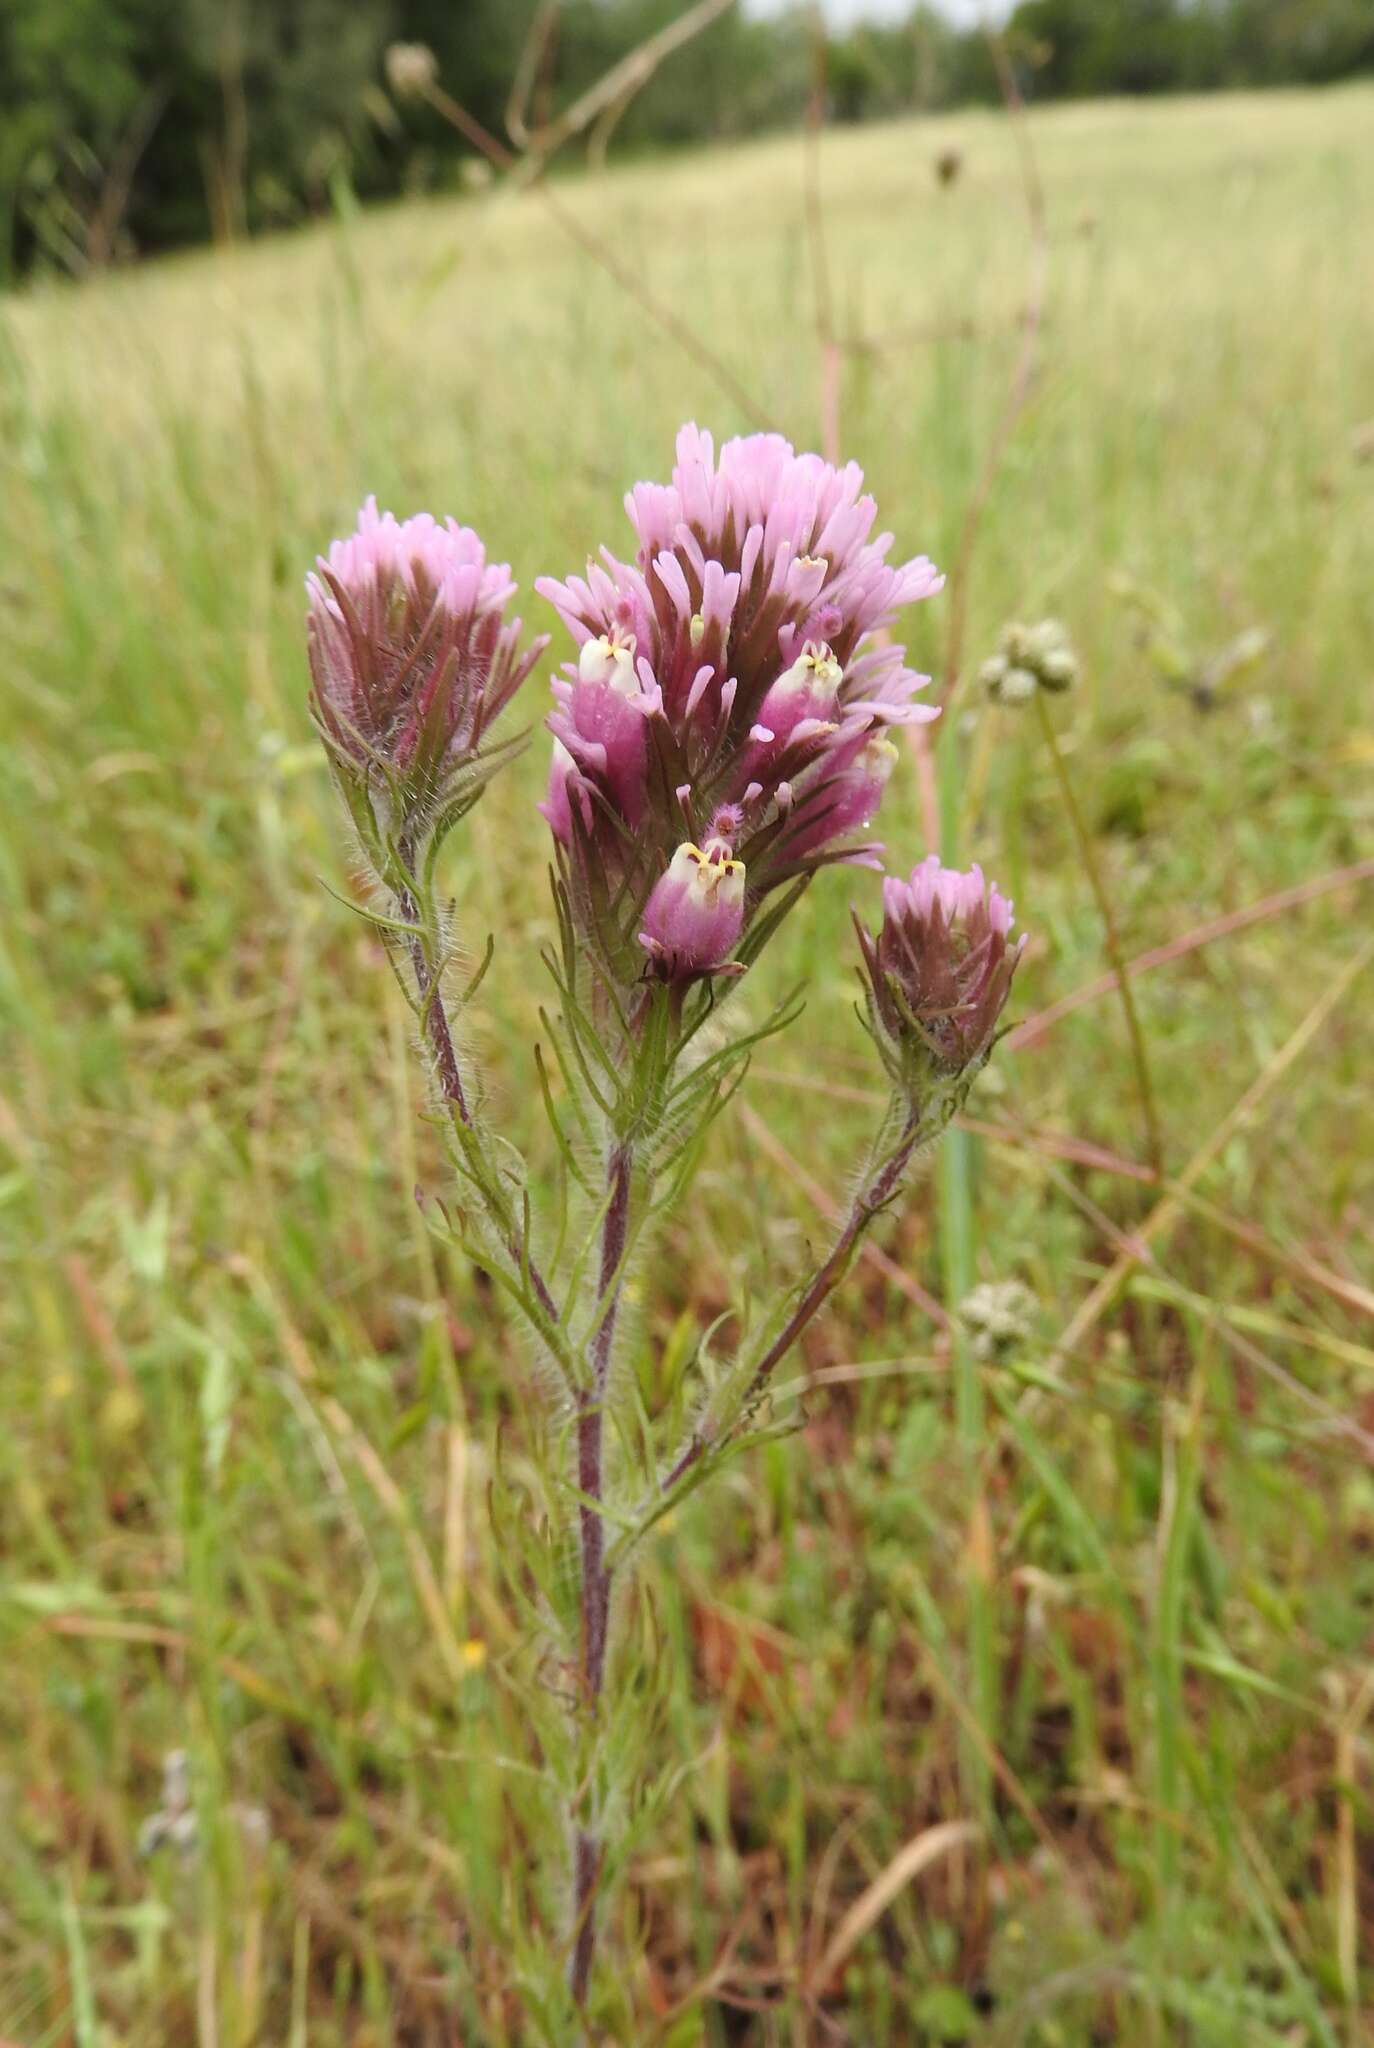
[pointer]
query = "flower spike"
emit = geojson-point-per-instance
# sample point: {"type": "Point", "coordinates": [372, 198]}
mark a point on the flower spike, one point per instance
{"type": "Point", "coordinates": [939, 974]}
{"type": "Point", "coordinates": [738, 665]}
{"type": "Point", "coordinates": [412, 659]}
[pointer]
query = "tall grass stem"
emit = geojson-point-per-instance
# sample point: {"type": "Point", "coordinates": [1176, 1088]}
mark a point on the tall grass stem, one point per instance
{"type": "Point", "coordinates": [1111, 940]}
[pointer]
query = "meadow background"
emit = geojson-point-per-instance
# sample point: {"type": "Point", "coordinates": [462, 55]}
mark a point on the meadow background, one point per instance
{"type": "Point", "coordinates": [1108, 1594]}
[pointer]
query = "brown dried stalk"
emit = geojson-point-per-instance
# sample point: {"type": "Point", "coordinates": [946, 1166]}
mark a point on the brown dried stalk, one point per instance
{"type": "Point", "coordinates": [614, 87]}
{"type": "Point", "coordinates": [629, 76]}
{"type": "Point", "coordinates": [1022, 376]}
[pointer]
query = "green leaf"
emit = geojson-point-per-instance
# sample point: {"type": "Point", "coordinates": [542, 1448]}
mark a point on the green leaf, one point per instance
{"type": "Point", "coordinates": [216, 1405]}
{"type": "Point", "coordinates": [946, 2013]}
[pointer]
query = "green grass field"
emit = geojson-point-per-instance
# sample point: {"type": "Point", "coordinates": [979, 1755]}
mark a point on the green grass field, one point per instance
{"type": "Point", "coordinates": [1107, 1594]}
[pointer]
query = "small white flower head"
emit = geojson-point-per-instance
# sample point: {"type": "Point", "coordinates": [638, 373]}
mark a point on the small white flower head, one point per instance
{"type": "Point", "coordinates": [411, 69]}
{"type": "Point", "coordinates": [998, 1314]}
{"type": "Point", "coordinates": [1030, 658]}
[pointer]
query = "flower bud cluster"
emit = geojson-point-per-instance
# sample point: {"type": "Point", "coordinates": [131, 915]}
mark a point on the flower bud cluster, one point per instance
{"type": "Point", "coordinates": [939, 974]}
{"type": "Point", "coordinates": [733, 690]}
{"type": "Point", "coordinates": [1030, 658]}
{"type": "Point", "coordinates": [412, 658]}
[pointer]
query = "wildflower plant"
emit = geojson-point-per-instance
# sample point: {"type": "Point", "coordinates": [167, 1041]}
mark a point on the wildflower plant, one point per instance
{"type": "Point", "coordinates": [722, 730]}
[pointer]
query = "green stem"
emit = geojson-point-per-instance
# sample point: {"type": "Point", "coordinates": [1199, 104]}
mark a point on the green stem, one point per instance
{"type": "Point", "coordinates": [1088, 856]}
{"type": "Point", "coordinates": [958, 1259]}
{"type": "Point", "coordinates": [416, 909]}
{"type": "Point", "coordinates": [1177, 1520]}
{"type": "Point", "coordinates": [432, 1009]}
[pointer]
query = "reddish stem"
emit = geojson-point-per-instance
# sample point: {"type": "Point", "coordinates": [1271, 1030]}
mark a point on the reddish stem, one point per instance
{"type": "Point", "coordinates": [596, 1579]}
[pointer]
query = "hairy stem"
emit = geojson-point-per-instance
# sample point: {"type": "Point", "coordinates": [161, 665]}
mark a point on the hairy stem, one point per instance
{"type": "Point", "coordinates": [439, 1032]}
{"type": "Point", "coordinates": [596, 1581]}
{"type": "Point", "coordinates": [434, 1013]}
{"type": "Point", "coordinates": [872, 1197]}
{"type": "Point", "coordinates": [1086, 853]}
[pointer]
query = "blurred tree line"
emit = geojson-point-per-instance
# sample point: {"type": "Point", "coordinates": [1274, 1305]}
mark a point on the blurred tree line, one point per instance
{"type": "Point", "coordinates": [130, 125]}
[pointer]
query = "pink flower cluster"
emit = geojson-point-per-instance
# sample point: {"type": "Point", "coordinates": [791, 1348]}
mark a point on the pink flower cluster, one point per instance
{"type": "Point", "coordinates": [411, 653]}
{"type": "Point", "coordinates": [941, 967]}
{"type": "Point", "coordinates": [732, 693]}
